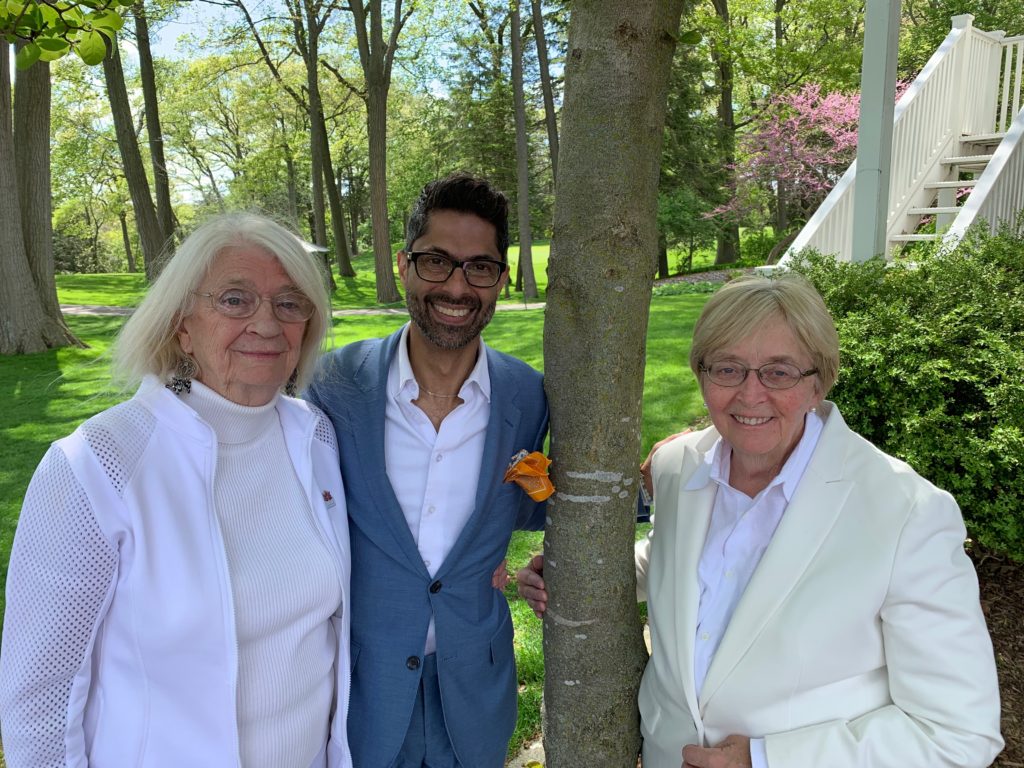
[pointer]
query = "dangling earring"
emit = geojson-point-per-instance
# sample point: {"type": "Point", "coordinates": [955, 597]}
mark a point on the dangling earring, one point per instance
{"type": "Point", "coordinates": [184, 372]}
{"type": "Point", "coordinates": [289, 388]}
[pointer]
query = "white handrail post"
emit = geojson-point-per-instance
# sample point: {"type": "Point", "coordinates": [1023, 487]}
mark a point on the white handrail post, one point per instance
{"type": "Point", "coordinates": [874, 133]}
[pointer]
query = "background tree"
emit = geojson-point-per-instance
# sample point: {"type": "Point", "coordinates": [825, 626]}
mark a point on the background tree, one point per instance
{"type": "Point", "coordinates": [377, 57]}
{"type": "Point", "coordinates": [151, 105]}
{"type": "Point", "coordinates": [803, 142]}
{"type": "Point", "coordinates": [693, 179]}
{"type": "Point", "coordinates": [529, 283]}
{"type": "Point", "coordinates": [601, 271]}
{"type": "Point", "coordinates": [30, 320]}
{"type": "Point", "coordinates": [547, 90]}
{"type": "Point", "coordinates": [151, 235]}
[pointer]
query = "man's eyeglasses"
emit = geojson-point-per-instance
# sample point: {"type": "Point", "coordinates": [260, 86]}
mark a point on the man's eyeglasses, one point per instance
{"type": "Point", "coordinates": [773, 375]}
{"type": "Point", "coordinates": [288, 307]}
{"type": "Point", "coordinates": [437, 268]}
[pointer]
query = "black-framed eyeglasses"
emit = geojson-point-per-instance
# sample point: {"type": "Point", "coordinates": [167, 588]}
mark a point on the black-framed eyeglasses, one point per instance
{"type": "Point", "coordinates": [728, 373]}
{"type": "Point", "coordinates": [239, 303]}
{"type": "Point", "coordinates": [437, 268]}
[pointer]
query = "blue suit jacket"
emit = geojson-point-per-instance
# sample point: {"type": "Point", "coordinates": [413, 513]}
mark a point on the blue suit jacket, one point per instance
{"type": "Point", "coordinates": [393, 595]}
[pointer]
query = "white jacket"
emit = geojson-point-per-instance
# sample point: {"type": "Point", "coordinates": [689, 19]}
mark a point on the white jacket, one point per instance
{"type": "Point", "coordinates": [858, 643]}
{"type": "Point", "coordinates": [119, 638]}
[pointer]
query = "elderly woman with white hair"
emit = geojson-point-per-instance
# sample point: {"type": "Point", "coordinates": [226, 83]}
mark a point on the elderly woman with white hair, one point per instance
{"type": "Point", "coordinates": [177, 588]}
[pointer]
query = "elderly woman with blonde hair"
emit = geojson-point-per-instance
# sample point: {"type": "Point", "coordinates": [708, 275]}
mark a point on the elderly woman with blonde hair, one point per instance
{"type": "Point", "coordinates": [809, 597]}
{"type": "Point", "coordinates": [177, 591]}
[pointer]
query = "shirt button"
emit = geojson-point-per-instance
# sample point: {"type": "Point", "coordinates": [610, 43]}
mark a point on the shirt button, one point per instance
{"type": "Point", "coordinates": [435, 587]}
{"type": "Point", "coordinates": [426, 563]}
{"type": "Point", "coordinates": [431, 509]}
{"type": "Point", "coordinates": [413, 662]}
{"type": "Point", "coordinates": [439, 457]}
{"type": "Point", "coordinates": [705, 636]}
{"type": "Point", "coordinates": [729, 574]}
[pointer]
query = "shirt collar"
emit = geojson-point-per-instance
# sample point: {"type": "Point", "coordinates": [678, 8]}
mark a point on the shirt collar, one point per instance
{"type": "Point", "coordinates": [406, 382]}
{"type": "Point", "coordinates": [715, 466]}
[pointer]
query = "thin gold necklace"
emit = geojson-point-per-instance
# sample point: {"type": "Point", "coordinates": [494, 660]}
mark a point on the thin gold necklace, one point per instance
{"type": "Point", "coordinates": [435, 394]}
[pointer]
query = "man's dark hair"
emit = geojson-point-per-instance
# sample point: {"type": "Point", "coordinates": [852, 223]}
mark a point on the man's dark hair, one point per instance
{"type": "Point", "coordinates": [465, 193]}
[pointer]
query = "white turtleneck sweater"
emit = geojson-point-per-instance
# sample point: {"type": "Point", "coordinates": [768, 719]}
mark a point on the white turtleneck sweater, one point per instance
{"type": "Point", "coordinates": [285, 585]}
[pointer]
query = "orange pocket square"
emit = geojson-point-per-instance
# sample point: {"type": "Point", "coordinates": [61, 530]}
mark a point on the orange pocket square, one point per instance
{"type": "Point", "coordinates": [530, 472]}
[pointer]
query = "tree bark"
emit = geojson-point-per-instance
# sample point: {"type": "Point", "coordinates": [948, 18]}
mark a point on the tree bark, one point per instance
{"type": "Point", "coordinates": [127, 240]}
{"type": "Point", "coordinates": [151, 236]}
{"type": "Point", "coordinates": [307, 38]}
{"type": "Point", "coordinates": [662, 257]}
{"type": "Point", "coordinates": [26, 325]}
{"type": "Point", "coordinates": [522, 161]}
{"type": "Point", "coordinates": [377, 58]}
{"type": "Point", "coordinates": [341, 251]}
{"type": "Point", "coordinates": [550, 119]}
{"type": "Point", "coordinates": [728, 246]}
{"type": "Point", "coordinates": [161, 182]}
{"type": "Point", "coordinates": [32, 167]}
{"type": "Point", "coordinates": [600, 275]}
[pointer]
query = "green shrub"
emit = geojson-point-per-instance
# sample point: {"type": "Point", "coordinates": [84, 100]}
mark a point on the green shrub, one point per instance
{"type": "Point", "coordinates": [932, 371]}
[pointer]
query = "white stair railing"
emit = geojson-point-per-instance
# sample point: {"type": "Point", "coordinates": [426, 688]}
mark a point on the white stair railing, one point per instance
{"type": "Point", "coordinates": [998, 196]}
{"type": "Point", "coordinates": [957, 92]}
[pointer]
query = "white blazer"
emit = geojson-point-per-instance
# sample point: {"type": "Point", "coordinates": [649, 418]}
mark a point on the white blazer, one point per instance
{"type": "Point", "coordinates": [860, 639]}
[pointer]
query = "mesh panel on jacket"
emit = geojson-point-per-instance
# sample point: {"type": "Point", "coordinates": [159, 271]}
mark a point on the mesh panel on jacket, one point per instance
{"type": "Point", "coordinates": [60, 571]}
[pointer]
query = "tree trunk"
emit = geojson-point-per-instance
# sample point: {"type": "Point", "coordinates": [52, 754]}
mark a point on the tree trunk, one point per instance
{"type": "Point", "coordinates": [307, 38]}
{"type": "Point", "coordinates": [127, 240]}
{"type": "Point", "coordinates": [293, 185]}
{"type": "Point", "coordinates": [550, 120]}
{"type": "Point", "coordinates": [662, 256]}
{"type": "Point", "coordinates": [601, 271]}
{"type": "Point", "coordinates": [376, 126]}
{"type": "Point", "coordinates": [337, 210]}
{"type": "Point", "coordinates": [728, 246]}
{"type": "Point", "coordinates": [522, 162]}
{"type": "Point", "coordinates": [151, 237]}
{"type": "Point", "coordinates": [25, 326]}
{"type": "Point", "coordinates": [161, 182]}
{"type": "Point", "coordinates": [32, 167]}
{"type": "Point", "coordinates": [376, 58]}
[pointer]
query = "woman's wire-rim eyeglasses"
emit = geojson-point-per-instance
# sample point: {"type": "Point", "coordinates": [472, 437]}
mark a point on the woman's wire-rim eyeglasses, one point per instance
{"type": "Point", "coordinates": [728, 373]}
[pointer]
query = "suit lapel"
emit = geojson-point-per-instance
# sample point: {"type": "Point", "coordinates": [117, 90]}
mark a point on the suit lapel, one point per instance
{"type": "Point", "coordinates": [810, 515]}
{"type": "Point", "coordinates": [366, 413]}
{"type": "Point", "coordinates": [499, 445]}
{"type": "Point", "coordinates": [683, 589]}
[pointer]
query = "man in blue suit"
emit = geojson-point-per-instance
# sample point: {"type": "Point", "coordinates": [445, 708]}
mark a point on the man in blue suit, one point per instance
{"type": "Point", "coordinates": [427, 421]}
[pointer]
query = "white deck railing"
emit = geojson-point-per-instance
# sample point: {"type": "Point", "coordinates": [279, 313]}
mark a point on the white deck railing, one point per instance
{"type": "Point", "coordinates": [998, 197]}
{"type": "Point", "coordinates": [958, 92]}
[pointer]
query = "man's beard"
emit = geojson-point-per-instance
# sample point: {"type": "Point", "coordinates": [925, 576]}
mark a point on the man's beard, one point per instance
{"type": "Point", "coordinates": [445, 336]}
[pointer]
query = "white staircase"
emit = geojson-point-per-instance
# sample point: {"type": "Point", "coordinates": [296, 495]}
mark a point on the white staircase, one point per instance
{"type": "Point", "coordinates": [957, 154]}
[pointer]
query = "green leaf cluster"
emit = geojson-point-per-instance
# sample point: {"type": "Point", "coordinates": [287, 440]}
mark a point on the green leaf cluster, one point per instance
{"type": "Point", "coordinates": [932, 359]}
{"type": "Point", "coordinates": [49, 29]}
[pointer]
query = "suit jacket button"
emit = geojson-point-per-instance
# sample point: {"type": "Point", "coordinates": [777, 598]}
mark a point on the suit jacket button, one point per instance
{"type": "Point", "coordinates": [435, 587]}
{"type": "Point", "coordinates": [413, 662]}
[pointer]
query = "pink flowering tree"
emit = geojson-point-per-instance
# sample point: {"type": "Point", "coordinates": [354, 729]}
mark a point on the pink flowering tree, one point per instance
{"type": "Point", "coordinates": [793, 155]}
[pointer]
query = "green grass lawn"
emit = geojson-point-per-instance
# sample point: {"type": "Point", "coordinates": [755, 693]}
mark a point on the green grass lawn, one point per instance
{"type": "Point", "coordinates": [126, 290]}
{"type": "Point", "coordinates": [359, 292]}
{"type": "Point", "coordinates": [49, 394]}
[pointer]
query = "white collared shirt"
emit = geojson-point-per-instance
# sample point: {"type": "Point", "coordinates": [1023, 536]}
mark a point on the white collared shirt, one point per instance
{"type": "Point", "coordinates": [738, 535]}
{"type": "Point", "coordinates": [435, 473]}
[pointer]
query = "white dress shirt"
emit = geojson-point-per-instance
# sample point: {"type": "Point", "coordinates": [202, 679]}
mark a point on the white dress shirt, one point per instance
{"type": "Point", "coordinates": [435, 473]}
{"type": "Point", "coordinates": [738, 535]}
